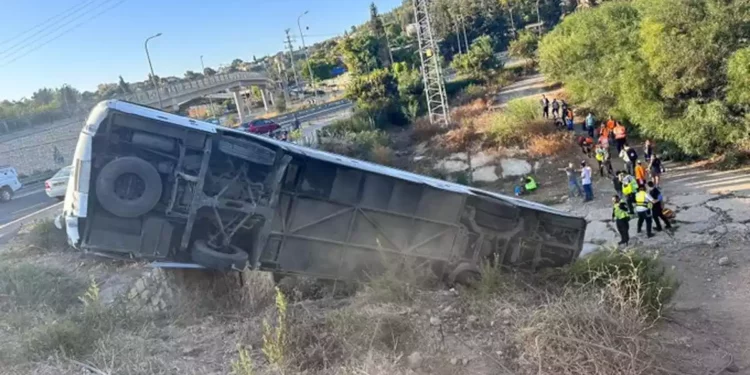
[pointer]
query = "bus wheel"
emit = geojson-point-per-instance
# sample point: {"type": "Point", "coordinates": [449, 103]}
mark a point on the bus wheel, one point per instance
{"type": "Point", "coordinates": [208, 257]}
{"type": "Point", "coordinates": [128, 187]}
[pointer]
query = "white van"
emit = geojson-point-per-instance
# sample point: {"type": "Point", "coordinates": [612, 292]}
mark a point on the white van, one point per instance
{"type": "Point", "coordinates": [9, 183]}
{"type": "Point", "coordinates": [151, 185]}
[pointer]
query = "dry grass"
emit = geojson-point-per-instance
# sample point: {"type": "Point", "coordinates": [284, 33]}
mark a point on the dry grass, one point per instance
{"type": "Point", "coordinates": [469, 111]}
{"type": "Point", "coordinates": [423, 130]}
{"type": "Point", "coordinates": [44, 236]}
{"type": "Point", "coordinates": [549, 144]}
{"type": "Point", "coordinates": [382, 155]}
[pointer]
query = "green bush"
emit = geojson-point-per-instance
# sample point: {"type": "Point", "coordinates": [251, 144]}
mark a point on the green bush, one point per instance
{"type": "Point", "coordinates": [45, 236]}
{"type": "Point", "coordinates": [515, 125]}
{"type": "Point", "coordinates": [640, 280]}
{"type": "Point", "coordinates": [455, 87]}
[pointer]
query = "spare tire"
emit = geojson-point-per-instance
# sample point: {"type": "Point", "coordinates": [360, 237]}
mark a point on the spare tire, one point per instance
{"type": "Point", "coordinates": [128, 187]}
{"type": "Point", "coordinates": [206, 256]}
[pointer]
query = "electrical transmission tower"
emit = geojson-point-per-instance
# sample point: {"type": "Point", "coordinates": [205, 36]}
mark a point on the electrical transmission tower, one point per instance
{"type": "Point", "coordinates": [432, 76]}
{"type": "Point", "coordinates": [291, 57]}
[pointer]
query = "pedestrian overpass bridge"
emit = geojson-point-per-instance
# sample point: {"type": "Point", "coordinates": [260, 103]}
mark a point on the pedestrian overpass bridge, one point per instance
{"type": "Point", "coordinates": [171, 96]}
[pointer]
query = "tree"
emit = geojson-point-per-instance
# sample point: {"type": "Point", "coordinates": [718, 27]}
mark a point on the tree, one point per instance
{"type": "Point", "coordinates": [43, 96]}
{"type": "Point", "coordinates": [68, 97]}
{"type": "Point", "coordinates": [235, 65]}
{"type": "Point", "coordinates": [661, 66]}
{"type": "Point", "coordinates": [377, 94]}
{"type": "Point", "coordinates": [480, 62]}
{"type": "Point", "coordinates": [524, 46]}
{"type": "Point", "coordinates": [123, 86]}
{"type": "Point", "coordinates": [378, 32]}
{"type": "Point", "coordinates": [360, 53]}
{"type": "Point", "coordinates": [209, 72]}
{"type": "Point", "coordinates": [191, 75]}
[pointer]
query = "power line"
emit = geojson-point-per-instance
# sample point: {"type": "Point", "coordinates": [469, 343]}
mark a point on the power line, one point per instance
{"type": "Point", "coordinates": [34, 38]}
{"type": "Point", "coordinates": [58, 36]}
{"type": "Point", "coordinates": [71, 9]}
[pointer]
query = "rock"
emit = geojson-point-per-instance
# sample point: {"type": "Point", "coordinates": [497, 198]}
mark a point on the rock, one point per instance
{"type": "Point", "coordinates": [724, 261]}
{"type": "Point", "coordinates": [452, 166]}
{"type": "Point", "coordinates": [415, 360]}
{"type": "Point", "coordinates": [589, 248]}
{"type": "Point", "coordinates": [708, 280]}
{"type": "Point", "coordinates": [419, 157]}
{"type": "Point", "coordinates": [515, 167]}
{"type": "Point", "coordinates": [471, 319]}
{"type": "Point", "coordinates": [420, 149]}
{"type": "Point", "coordinates": [698, 227]}
{"type": "Point", "coordinates": [485, 174]}
{"type": "Point", "coordinates": [465, 361]}
{"type": "Point", "coordinates": [506, 322]}
{"type": "Point", "coordinates": [481, 159]}
{"type": "Point", "coordinates": [738, 209]}
{"type": "Point", "coordinates": [599, 232]}
{"type": "Point", "coordinates": [696, 215]}
{"type": "Point", "coordinates": [454, 361]}
{"type": "Point", "coordinates": [689, 200]}
{"type": "Point", "coordinates": [600, 214]}
{"type": "Point", "coordinates": [732, 367]}
{"type": "Point", "coordinates": [435, 321]}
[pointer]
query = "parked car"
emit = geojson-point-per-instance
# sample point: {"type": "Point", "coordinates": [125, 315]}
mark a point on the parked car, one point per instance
{"type": "Point", "coordinates": [153, 185]}
{"type": "Point", "coordinates": [259, 126]}
{"type": "Point", "coordinates": [9, 183]}
{"type": "Point", "coordinates": [55, 187]}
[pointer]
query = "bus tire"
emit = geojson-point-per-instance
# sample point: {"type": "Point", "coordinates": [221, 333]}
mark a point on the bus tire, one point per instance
{"type": "Point", "coordinates": [210, 258]}
{"type": "Point", "coordinates": [128, 202]}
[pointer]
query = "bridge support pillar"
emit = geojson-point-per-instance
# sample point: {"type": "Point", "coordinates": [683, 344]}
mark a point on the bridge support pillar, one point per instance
{"type": "Point", "coordinates": [263, 96]}
{"type": "Point", "coordinates": [240, 104]}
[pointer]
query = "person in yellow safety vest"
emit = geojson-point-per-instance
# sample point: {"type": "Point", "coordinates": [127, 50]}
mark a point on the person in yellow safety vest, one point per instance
{"type": "Point", "coordinates": [530, 184]}
{"type": "Point", "coordinates": [643, 203]}
{"type": "Point", "coordinates": [629, 188]}
{"type": "Point", "coordinates": [622, 219]}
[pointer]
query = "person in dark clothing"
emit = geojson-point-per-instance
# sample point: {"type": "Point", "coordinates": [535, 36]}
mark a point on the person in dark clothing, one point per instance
{"type": "Point", "coordinates": [657, 210]}
{"type": "Point", "coordinates": [555, 108]}
{"type": "Point", "coordinates": [564, 107]}
{"type": "Point", "coordinates": [622, 219]}
{"type": "Point", "coordinates": [617, 183]}
{"type": "Point", "coordinates": [545, 106]}
{"type": "Point", "coordinates": [632, 156]}
{"type": "Point", "coordinates": [656, 168]}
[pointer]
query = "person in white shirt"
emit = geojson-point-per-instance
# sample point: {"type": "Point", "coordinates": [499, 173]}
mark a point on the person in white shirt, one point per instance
{"type": "Point", "coordinates": [586, 182]}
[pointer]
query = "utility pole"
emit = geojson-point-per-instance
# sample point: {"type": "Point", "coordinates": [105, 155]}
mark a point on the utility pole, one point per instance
{"type": "Point", "coordinates": [432, 75]}
{"type": "Point", "coordinates": [153, 77]}
{"type": "Point", "coordinates": [307, 56]}
{"type": "Point", "coordinates": [291, 56]}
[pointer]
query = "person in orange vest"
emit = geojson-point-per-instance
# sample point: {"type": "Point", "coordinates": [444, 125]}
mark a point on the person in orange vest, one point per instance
{"type": "Point", "coordinates": [611, 123]}
{"type": "Point", "coordinates": [621, 136]}
{"type": "Point", "coordinates": [640, 174]}
{"type": "Point", "coordinates": [603, 136]}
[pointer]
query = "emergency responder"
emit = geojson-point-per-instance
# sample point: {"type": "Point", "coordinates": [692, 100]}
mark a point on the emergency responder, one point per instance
{"type": "Point", "coordinates": [643, 206]}
{"type": "Point", "coordinates": [657, 210]}
{"type": "Point", "coordinates": [629, 189]}
{"type": "Point", "coordinates": [622, 219]}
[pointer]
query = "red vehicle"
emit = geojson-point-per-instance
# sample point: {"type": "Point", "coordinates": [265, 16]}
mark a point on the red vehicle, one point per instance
{"type": "Point", "coordinates": [260, 126]}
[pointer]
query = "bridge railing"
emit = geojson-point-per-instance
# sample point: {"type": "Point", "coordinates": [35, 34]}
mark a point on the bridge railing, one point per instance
{"type": "Point", "coordinates": [181, 88]}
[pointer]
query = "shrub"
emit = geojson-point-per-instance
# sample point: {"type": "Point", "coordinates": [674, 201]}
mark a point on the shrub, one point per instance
{"type": "Point", "coordinates": [45, 236]}
{"type": "Point", "coordinates": [516, 125]}
{"type": "Point", "coordinates": [424, 130]}
{"type": "Point", "coordinates": [637, 279]}
{"type": "Point", "coordinates": [382, 155]}
{"type": "Point", "coordinates": [454, 87]}
{"type": "Point", "coordinates": [470, 93]}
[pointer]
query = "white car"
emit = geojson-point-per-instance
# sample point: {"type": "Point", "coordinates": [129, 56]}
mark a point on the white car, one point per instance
{"type": "Point", "coordinates": [55, 187]}
{"type": "Point", "coordinates": [9, 183]}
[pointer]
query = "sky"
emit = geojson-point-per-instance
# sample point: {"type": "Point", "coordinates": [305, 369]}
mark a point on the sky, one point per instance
{"type": "Point", "coordinates": [106, 36]}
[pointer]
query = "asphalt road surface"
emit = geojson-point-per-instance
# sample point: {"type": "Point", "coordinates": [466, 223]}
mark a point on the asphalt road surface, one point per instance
{"type": "Point", "coordinates": [26, 201]}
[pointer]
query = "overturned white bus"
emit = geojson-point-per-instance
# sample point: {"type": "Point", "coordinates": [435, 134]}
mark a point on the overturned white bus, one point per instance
{"type": "Point", "coordinates": [151, 185]}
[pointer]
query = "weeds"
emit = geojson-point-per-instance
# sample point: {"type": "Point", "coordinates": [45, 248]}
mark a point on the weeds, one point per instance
{"type": "Point", "coordinates": [424, 130]}
{"type": "Point", "coordinates": [243, 365]}
{"type": "Point", "coordinates": [274, 337]}
{"type": "Point", "coordinates": [634, 278]}
{"type": "Point", "coordinates": [382, 155]}
{"type": "Point", "coordinates": [549, 144]}
{"type": "Point", "coordinates": [45, 236]}
{"type": "Point", "coordinates": [32, 286]}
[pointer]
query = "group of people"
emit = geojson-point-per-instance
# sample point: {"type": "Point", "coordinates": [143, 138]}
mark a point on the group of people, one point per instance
{"type": "Point", "coordinates": [636, 185]}
{"type": "Point", "coordinates": [562, 113]}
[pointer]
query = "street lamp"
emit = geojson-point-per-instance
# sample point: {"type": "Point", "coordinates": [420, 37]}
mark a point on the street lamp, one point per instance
{"type": "Point", "coordinates": [153, 77]}
{"type": "Point", "coordinates": [210, 101]}
{"type": "Point", "coordinates": [307, 56]}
